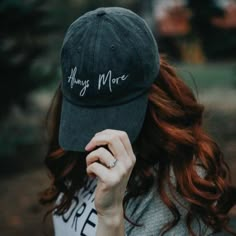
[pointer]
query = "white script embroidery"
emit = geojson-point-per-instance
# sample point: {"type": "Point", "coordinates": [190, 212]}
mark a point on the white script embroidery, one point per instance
{"type": "Point", "coordinates": [102, 80]}
{"type": "Point", "coordinates": [72, 80]}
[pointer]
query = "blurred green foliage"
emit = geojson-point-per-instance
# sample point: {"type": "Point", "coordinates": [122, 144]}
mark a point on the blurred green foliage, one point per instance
{"type": "Point", "coordinates": [24, 29]}
{"type": "Point", "coordinates": [30, 38]}
{"type": "Point", "coordinates": [209, 76]}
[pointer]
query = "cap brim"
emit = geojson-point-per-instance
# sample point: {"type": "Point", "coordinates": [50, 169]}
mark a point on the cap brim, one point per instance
{"type": "Point", "coordinates": [79, 124]}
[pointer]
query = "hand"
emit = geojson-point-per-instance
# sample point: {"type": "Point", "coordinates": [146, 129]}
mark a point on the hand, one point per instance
{"type": "Point", "coordinates": [112, 182]}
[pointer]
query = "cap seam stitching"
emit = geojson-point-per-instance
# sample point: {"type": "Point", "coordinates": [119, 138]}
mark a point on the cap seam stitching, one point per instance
{"type": "Point", "coordinates": [117, 26]}
{"type": "Point", "coordinates": [145, 30]}
{"type": "Point", "coordinates": [95, 40]}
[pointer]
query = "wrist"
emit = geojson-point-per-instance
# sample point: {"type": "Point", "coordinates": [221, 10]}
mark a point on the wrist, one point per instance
{"type": "Point", "coordinates": [112, 217]}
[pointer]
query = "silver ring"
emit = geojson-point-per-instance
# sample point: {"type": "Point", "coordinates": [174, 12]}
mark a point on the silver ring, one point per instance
{"type": "Point", "coordinates": [112, 163]}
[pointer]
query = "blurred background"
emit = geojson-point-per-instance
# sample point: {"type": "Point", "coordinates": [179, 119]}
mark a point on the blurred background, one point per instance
{"type": "Point", "coordinates": [199, 38]}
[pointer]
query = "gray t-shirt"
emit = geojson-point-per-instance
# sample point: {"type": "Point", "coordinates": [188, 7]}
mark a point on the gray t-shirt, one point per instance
{"type": "Point", "coordinates": [150, 210]}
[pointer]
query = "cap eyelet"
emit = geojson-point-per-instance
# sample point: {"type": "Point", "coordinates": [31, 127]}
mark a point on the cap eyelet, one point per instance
{"type": "Point", "coordinates": [101, 12]}
{"type": "Point", "coordinates": [113, 47]}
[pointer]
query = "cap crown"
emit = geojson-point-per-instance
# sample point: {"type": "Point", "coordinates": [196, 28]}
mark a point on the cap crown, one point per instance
{"type": "Point", "coordinates": [109, 56]}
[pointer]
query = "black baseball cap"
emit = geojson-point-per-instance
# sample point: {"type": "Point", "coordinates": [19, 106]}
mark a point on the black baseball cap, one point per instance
{"type": "Point", "coordinates": [109, 60]}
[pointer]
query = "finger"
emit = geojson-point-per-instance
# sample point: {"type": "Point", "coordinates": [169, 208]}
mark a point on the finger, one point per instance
{"type": "Point", "coordinates": [101, 154]}
{"type": "Point", "coordinates": [114, 144]}
{"type": "Point", "coordinates": [98, 170]}
{"type": "Point", "coordinates": [107, 176]}
{"type": "Point", "coordinates": [123, 137]}
{"type": "Point", "coordinates": [107, 159]}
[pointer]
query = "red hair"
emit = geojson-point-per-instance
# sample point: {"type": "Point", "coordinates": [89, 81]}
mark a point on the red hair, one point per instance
{"type": "Point", "coordinates": [173, 123]}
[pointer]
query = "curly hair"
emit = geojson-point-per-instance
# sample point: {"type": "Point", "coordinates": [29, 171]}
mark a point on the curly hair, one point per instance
{"type": "Point", "coordinates": [173, 123]}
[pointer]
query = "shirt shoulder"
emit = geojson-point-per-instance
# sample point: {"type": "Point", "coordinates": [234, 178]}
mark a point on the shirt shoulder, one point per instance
{"type": "Point", "coordinates": [152, 212]}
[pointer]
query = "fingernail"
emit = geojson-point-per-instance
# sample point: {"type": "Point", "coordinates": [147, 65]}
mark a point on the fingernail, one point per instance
{"type": "Point", "coordinates": [87, 146]}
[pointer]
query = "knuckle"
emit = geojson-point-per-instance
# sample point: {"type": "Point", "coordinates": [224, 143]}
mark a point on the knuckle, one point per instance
{"type": "Point", "coordinates": [87, 159]}
{"type": "Point", "coordinates": [113, 138]}
{"type": "Point", "coordinates": [91, 166]}
{"type": "Point", "coordinates": [100, 150]}
{"type": "Point", "coordinates": [88, 169]}
{"type": "Point", "coordinates": [129, 164]}
{"type": "Point", "coordinates": [134, 158]}
{"type": "Point", "coordinates": [123, 135]}
{"type": "Point", "coordinates": [123, 171]}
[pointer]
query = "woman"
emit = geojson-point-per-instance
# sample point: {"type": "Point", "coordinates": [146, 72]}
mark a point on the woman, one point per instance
{"type": "Point", "coordinates": [127, 153]}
